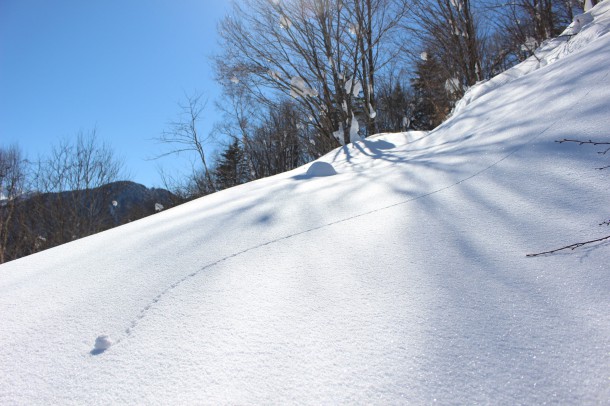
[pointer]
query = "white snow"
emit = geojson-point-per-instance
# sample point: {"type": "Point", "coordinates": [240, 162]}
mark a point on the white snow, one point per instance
{"type": "Point", "coordinates": [372, 111]}
{"type": "Point", "coordinates": [357, 87]}
{"type": "Point", "coordinates": [579, 22]}
{"type": "Point", "coordinates": [402, 279]}
{"type": "Point", "coordinates": [275, 75]}
{"type": "Point", "coordinates": [285, 22]}
{"type": "Point", "coordinates": [339, 135]}
{"type": "Point", "coordinates": [457, 4]}
{"type": "Point", "coordinates": [299, 88]}
{"type": "Point", "coordinates": [354, 29]}
{"type": "Point", "coordinates": [354, 130]}
{"type": "Point", "coordinates": [530, 44]}
{"type": "Point", "coordinates": [452, 85]}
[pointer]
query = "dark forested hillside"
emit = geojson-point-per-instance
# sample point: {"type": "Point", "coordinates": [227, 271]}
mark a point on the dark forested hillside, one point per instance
{"type": "Point", "coordinates": [44, 220]}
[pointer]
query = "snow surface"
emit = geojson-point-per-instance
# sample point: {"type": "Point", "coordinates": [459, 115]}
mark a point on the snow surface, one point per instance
{"type": "Point", "coordinates": [400, 280]}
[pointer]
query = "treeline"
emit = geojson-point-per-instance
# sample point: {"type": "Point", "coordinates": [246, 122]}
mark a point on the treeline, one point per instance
{"type": "Point", "coordinates": [302, 77]}
{"type": "Point", "coordinates": [76, 191]}
{"type": "Point", "coordinates": [357, 67]}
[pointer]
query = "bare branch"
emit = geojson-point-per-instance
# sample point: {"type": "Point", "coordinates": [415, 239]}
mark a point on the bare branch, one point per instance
{"type": "Point", "coordinates": [570, 247]}
{"type": "Point", "coordinates": [325, 45]}
{"type": "Point", "coordinates": [580, 142]}
{"type": "Point", "coordinates": [183, 134]}
{"type": "Point", "coordinates": [590, 142]}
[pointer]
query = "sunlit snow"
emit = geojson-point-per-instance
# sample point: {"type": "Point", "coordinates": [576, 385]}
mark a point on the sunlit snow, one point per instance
{"type": "Point", "coordinates": [401, 279]}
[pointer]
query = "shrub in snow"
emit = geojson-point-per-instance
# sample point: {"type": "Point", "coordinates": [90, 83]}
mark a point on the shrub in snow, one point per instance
{"type": "Point", "coordinates": [321, 169]}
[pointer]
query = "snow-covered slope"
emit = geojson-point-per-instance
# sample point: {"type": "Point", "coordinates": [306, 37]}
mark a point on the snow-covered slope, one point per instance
{"type": "Point", "coordinates": [402, 279]}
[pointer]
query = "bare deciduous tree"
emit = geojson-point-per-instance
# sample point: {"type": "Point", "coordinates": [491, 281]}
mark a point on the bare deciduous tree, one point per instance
{"type": "Point", "coordinates": [395, 104]}
{"type": "Point", "coordinates": [183, 136]}
{"type": "Point", "coordinates": [81, 167]}
{"type": "Point", "coordinates": [12, 187]}
{"type": "Point", "coordinates": [449, 33]}
{"type": "Point", "coordinates": [523, 25]}
{"type": "Point", "coordinates": [279, 142]}
{"type": "Point", "coordinates": [324, 53]}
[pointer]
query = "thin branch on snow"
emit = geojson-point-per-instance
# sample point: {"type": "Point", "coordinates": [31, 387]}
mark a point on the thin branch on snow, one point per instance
{"type": "Point", "coordinates": [580, 142]}
{"type": "Point", "coordinates": [607, 222]}
{"type": "Point", "coordinates": [571, 247]}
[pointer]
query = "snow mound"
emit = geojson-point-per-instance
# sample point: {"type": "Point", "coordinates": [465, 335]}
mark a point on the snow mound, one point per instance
{"type": "Point", "coordinates": [320, 169]}
{"type": "Point", "coordinates": [102, 343]}
{"type": "Point", "coordinates": [579, 22]}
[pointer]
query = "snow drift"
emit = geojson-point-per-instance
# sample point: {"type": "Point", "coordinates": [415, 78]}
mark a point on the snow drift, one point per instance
{"type": "Point", "coordinates": [401, 279]}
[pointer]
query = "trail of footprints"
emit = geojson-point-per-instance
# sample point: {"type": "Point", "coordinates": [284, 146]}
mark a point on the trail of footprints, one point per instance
{"type": "Point", "coordinates": [103, 342]}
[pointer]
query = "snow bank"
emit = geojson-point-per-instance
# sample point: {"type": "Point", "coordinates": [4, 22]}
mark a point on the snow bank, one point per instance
{"type": "Point", "coordinates": [551, 51]}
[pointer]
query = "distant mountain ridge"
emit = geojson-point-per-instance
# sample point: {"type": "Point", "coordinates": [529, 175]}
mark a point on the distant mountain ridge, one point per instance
{"type": "Point", "coordinates": [130, 196]}
{"type": "Point", "coordinates": [45, 220]}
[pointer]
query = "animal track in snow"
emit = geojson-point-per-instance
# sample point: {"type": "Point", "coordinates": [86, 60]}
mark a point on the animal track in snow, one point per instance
{"type": "Point", "coordinates": [134, 323]}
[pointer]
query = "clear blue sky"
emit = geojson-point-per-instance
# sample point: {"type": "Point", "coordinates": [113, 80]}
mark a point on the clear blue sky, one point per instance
{"type": "Point", "coordinates": [120, 66]}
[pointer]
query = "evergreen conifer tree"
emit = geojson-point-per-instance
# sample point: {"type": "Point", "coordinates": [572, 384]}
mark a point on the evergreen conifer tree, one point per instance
{"type": "Point", "coordinates": [231, 168]}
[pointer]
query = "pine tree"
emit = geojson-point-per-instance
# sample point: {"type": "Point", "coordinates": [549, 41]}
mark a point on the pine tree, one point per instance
{"type": "Point", "coordinates": [231, 168]}
{"type": "Point", "coordinates": [432, 101]}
